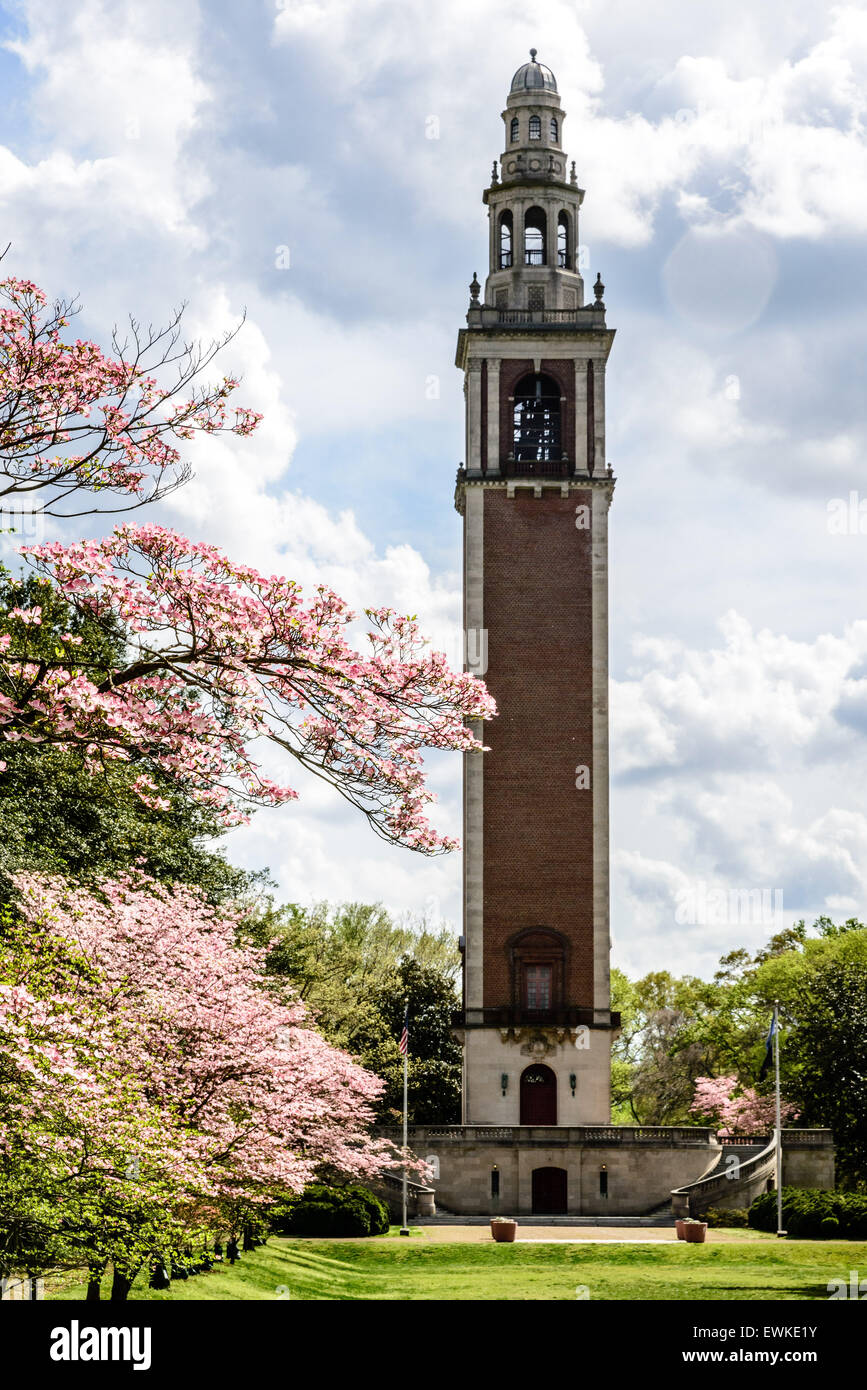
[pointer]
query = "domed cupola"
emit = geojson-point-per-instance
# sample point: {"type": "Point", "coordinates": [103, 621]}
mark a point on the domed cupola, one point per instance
{"type": "Point", "coordinates": [533, 202]}
{"type": "Point", "coordinates": [534, 77]}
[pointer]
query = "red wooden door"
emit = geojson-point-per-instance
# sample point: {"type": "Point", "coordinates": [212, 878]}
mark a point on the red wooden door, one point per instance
{"type": "Point", "coordinates": [549, 1191]}
{"type": "Point", "coordinates": [538, 1096]}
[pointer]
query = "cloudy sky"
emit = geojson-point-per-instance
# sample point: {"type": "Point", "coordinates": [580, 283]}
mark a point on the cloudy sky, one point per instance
{"type": "Point", "coordinates": [278, 157]}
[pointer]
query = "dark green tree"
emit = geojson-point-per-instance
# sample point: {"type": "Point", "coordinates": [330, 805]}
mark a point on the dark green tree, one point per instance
{"type": "Point", "coordinates": [434, 1057]}
{"type": "Point", "coordinates": [827, 1071]}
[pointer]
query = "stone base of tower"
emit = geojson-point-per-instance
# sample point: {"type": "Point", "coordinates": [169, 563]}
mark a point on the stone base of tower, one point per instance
{"type": "Point", "coordinates": [590, 1170]}
{"type": "Point", "coordinates": [504, 1081]}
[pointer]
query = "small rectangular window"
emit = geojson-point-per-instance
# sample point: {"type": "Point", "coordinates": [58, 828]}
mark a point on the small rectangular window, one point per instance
{"type": "Point", "coordinates": [603, 1182]}
{"type": "Point", "coordinates": [537, 987]}
{"type": "Point", "coordinates": [495, 1182]}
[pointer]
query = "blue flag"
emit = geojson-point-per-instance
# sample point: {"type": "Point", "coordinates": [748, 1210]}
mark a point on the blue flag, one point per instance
{"type": "Point", "coordinates": [769, 1047]}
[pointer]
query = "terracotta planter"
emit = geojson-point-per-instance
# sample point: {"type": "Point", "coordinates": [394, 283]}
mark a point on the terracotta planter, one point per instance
{"type": "Point", "coordinates": [678, 1226]}
{"type": "Point", "coordinates": [696, 1232]}
{"type": "Point", "coordinates": [504, 1230]}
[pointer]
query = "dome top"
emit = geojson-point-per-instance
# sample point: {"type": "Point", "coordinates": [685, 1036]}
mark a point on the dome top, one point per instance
{"type": "Point", "coordinates": [534, 76]}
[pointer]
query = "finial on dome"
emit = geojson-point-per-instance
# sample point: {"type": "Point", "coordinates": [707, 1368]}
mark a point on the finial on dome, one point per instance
{"type": "Point", "coordinates": [533, 52]}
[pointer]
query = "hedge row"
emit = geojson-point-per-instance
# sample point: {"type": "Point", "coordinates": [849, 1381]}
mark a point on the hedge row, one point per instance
{"type": "Point", "coordinates": [810, 1213]}
{"type": "Point", "coordinates": [332, 1211]}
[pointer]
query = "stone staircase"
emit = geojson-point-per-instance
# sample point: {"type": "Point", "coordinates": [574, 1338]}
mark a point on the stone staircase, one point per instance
{"type": "Point", "coordinates": [654, 1219]}
{"type": "Point", "coordinates": [756, 1168]}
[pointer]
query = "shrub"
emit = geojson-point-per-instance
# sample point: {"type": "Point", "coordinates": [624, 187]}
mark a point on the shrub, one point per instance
{"type": "Point", "coordinates": [332, 1211]}
{"type": "Point", "coordinates": [813, 1214]}
{"type": "Point", "coordinates": [377, 1209]}
{"type": "Point", "coordinates": [717, 1216]}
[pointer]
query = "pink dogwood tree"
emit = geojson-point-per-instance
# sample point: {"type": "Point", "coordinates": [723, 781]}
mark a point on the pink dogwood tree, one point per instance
{"type": "Point", "coordinates": [737, 1109]}
{"type": "Point", "coordinates": [168, 1058]}
{"type": "Point", "coordinates": [84, 431]}
{"type": "Point", "coordinates": [219, 656]}
{"type": "Point", "coordinates": [153, 1033]}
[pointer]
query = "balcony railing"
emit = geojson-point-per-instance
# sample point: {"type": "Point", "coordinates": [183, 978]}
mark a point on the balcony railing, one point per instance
{"type": "Point", "coordinates": [566, 1016]}
{"type": "Point", "coordinates": [563, 1135]}
{"type": "Point", "coordinates": [536, 468]}
{"type": "Point", "coordinates": [588, 317]}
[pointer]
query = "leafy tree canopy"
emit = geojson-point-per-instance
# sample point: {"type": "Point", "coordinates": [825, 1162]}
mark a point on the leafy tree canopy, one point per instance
{"type": "Point", "coordinates": [676, 1031]}
{"type": "Point", "coordinates": [60, 817]}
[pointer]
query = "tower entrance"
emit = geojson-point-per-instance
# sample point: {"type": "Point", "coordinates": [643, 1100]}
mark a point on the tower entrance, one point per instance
{"type": "Point", "coordinates": [549, 1192]}
{"type": "Point", "coordinates": [538, 1097]}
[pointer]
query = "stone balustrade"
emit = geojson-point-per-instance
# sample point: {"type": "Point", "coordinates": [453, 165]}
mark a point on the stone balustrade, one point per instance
{"type": "Point", "coordinates": [557, 1135]}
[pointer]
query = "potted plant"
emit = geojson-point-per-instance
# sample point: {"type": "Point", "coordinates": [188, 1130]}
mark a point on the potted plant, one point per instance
{"type": "Point", "coordinates": [503, 1227]}
{"type": "Point", "coordinates": [693, 1230]}
{"type": "Point", "coordinates": [678, 1226]}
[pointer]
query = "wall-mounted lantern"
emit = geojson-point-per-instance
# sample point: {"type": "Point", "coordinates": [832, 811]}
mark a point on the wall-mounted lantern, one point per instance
{"type": "Point", "coordinates": [504, 1082]}
{"type": "Point", "coordinates": [573, 1081]}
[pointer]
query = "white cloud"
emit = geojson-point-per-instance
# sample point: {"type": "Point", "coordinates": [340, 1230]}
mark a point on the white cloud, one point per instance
{"type": "Point", "coordinates": [727, 135]}
{"type": "Point", "coordinates": [119, 94]}
{"type": "Point", "coordinates": [731, 756]}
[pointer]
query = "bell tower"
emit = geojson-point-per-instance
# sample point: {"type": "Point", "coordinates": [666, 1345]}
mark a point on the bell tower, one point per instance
{"type": "Point", "coordinates": [534, 495]}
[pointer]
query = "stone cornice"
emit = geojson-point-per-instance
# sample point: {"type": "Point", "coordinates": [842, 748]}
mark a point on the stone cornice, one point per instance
{"type": "Point", "coordinates": [566, 486]}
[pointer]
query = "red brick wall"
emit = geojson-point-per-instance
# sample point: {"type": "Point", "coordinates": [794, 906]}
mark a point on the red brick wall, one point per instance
{"type": "Point", "coordinates": [538, 828]}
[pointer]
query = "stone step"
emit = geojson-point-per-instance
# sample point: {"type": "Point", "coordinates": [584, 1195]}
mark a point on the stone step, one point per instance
{"type": "Point", "coordinates": [451, 1219]}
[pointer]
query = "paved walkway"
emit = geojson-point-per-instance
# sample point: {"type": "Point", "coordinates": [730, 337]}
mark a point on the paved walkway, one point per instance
{"type": "Point", "coordinates": [577, 1235]}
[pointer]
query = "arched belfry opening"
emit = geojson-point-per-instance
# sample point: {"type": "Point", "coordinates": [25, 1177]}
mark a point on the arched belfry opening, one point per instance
{"type": "Point", "coordinates": [564, 248]}
{"type": "Point", "coordinates": [537, 428]}
{"type": "Point", "coordinates": [505, 239]}
{"type": "Point", "coordinates": [535, 228]}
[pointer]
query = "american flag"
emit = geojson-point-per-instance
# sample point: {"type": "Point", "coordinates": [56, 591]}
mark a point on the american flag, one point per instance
{"type": "Point", "coordinates": [403, 1045]}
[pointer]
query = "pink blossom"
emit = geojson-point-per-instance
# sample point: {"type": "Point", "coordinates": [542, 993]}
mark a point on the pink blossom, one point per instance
{"type": "Point", "coordinates": [222, 656]}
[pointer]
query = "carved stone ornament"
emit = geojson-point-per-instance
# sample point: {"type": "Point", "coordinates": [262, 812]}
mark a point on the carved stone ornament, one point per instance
{"type": "Point", "coordinates": [538, 1042]}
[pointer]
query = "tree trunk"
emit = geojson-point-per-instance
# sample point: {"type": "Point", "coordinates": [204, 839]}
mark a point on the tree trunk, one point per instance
{"type": "Point", "coordinates": [94, 1279]}
{"type": "Point", "coordinates": [121, 1285]}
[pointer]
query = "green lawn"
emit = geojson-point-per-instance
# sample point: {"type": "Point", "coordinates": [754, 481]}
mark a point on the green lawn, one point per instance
{"type": "Point", "coordinates": [420, 1269]}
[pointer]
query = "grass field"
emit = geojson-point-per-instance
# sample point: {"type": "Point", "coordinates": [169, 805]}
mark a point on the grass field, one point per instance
{"type": "Point", "coordinates": [426, 1269]}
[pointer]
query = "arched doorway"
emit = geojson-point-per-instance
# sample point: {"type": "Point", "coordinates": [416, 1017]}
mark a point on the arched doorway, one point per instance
{"type": "Point", "coordinates": [549, 1192]}
{"type": "Point", "coordinates": [538, 1096]}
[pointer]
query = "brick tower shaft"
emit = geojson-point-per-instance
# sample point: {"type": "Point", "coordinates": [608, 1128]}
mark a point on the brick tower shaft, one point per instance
{"type": "Point", "coordinates": [534, 494]}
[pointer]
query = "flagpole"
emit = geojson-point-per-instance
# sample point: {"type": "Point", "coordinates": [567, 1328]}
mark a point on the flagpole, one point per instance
{"type": "Point", "coordinates": [404, 1230]}
{"type": "Point", "coordinates": [779, 1155]}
